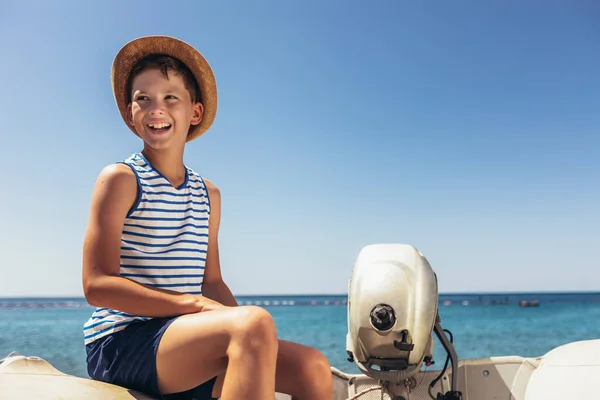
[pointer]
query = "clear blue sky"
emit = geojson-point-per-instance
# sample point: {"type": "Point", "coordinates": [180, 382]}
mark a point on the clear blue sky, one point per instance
{"type": "Point", "coordinates": [468, 129]}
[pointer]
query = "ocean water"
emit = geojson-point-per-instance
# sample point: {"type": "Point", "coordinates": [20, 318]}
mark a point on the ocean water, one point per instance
{"type": "Point", "coordinates": [482, 325]}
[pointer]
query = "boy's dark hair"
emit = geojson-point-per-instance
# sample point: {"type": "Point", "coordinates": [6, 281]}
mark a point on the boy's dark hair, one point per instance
{"type": "Point", "coordinates": [164, 63]}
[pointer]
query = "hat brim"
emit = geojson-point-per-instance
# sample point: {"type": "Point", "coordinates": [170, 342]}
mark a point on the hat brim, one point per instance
{"type": "Point", "coordinates": [139, 48]}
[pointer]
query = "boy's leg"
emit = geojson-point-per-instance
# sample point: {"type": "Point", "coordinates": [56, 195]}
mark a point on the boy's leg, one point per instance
{"type": "Point", "coordinates": [302, 372]}
{"type": "Point", "coordinates": [241, 341]}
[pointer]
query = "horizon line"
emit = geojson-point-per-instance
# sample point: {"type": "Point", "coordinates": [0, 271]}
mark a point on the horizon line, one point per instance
{"type": "Point", "coordinates": [449, 293]}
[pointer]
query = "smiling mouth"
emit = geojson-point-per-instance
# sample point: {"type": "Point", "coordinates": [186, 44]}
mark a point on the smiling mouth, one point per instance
{"type": "Point", "coordinates": [159, 128]}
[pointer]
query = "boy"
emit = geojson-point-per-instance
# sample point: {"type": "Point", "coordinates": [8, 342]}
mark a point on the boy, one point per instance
{"type": "Point", "coordinates": [165, 322]}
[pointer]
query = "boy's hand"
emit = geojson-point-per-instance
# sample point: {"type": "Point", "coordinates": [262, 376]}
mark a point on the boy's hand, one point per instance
{"type": "Point", "coordinates": [206, 304]}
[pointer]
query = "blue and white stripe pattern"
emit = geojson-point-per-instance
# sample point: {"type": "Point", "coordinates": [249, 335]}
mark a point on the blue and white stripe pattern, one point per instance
{"type": "Point", "coordinates": [164, 241]}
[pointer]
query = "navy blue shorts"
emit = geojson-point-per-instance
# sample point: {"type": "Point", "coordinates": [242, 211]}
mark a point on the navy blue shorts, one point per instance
{"type": "Point", "coordinates": [128, 358]}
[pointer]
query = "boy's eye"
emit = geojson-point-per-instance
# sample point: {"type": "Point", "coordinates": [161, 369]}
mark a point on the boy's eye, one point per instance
{"type": "Point", "coordinates": [142, 97]}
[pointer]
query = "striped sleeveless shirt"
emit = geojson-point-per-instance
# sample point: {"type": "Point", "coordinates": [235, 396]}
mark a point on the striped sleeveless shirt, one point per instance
{"type": "Point", "coordinates": [163, 243]}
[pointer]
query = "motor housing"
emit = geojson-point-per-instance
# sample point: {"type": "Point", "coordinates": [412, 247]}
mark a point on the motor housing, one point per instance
{"type": "Point", "coordinates": [392, 309]}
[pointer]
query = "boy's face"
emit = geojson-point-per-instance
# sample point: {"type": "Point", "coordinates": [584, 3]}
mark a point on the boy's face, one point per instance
{"type": "Point", "coordinates": [161, 110]}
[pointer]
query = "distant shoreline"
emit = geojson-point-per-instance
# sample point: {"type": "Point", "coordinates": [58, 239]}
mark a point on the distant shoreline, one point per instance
{"type": "Point", "coordinates": [263, 296]}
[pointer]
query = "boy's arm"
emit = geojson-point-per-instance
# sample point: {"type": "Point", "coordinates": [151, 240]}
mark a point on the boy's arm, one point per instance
{"type": "Point", "coordinates": [114, 194]}
{"type": "Point", "coordinates": [214, 287]}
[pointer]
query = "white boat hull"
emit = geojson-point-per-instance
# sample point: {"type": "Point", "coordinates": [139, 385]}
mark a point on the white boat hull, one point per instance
{"type": "Point", "coordinates": [568, 372]}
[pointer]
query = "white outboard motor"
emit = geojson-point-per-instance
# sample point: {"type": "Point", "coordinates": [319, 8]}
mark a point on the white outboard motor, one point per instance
{"type": "Point", "coordinates": [392, 313]}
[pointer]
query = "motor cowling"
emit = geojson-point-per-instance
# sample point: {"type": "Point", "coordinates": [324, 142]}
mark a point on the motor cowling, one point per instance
{"type": "Point", "coordinates": [392, 309]}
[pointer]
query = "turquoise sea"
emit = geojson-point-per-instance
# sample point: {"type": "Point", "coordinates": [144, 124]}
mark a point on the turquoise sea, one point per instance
{"type": "Point", "coordinates": [483, 325]}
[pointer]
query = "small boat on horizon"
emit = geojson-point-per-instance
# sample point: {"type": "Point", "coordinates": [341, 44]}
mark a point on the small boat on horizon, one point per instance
{"type": "Point", "coordinates": [532, 303]}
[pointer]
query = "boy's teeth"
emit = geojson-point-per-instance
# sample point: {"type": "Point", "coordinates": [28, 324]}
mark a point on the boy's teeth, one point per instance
{"type": "Point", "coordinates": [159, 126]}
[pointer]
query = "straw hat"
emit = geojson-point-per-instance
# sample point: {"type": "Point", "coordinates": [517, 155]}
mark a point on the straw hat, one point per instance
{"type": "Point", "coordinates": [139, 48]}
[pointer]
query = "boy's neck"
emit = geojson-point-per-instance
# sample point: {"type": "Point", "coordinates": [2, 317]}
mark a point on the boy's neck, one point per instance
{"type": "Point", "coordinates": [169, 162]}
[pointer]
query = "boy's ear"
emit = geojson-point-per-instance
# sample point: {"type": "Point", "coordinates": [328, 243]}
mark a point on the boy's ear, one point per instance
{"type": "Point", "coordinates": [197, 112]}
{"type": "Point", "coordinates": [129, 115]}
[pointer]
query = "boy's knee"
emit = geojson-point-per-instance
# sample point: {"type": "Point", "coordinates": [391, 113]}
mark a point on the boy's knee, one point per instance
{"type": "Point", "coordinates": [318, 363]}
{"type": "Point", "coordinates": [256, 327]}
{"type": "Point", "coordinates": [316, 369]}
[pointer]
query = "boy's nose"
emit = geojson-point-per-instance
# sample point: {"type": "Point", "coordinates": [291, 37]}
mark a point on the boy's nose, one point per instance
{"type": "Point", "coordinates": [157, 107]}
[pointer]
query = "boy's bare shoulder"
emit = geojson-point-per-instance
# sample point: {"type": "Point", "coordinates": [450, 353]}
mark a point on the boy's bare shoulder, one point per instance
{"type": "Point", "coordinates": [118, 175]}
{"type": "Point", "coordinates": [213, 190]}
{"type": "Point", "coordinates": [116, 182]}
